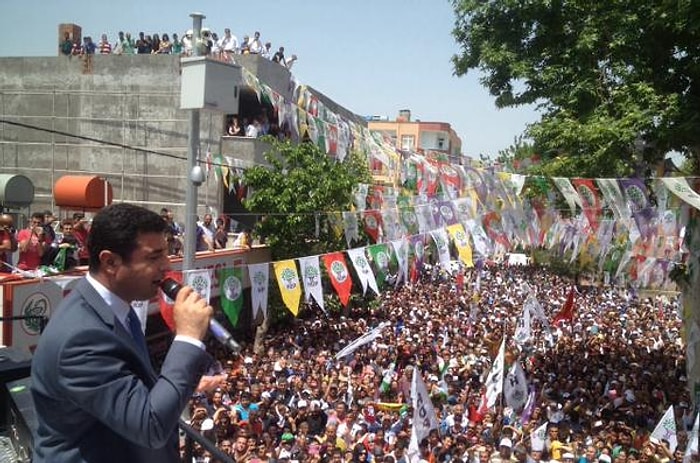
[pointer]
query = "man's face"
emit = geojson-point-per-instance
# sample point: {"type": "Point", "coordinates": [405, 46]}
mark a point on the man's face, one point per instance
{"type": "Point", "coordinates": [138, 278]}
{"type": "Point", "coordinates": [241, 444]}
{"type": "Point", "coordinates": [67, 229]}
{"type": "Point", "coordinates": [207, 219]}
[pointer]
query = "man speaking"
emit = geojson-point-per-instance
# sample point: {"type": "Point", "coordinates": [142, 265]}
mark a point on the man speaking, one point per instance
{"type": "Point", "coordinates": [97, 396]}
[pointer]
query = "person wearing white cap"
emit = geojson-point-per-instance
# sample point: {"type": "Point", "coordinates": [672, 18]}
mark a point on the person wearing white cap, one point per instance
{"type": "Point", "coordinates": [504, 454]}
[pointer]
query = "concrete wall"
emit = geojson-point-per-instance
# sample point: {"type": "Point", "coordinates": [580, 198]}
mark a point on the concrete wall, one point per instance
{"type": "Point", "coordinates": [131, 102]}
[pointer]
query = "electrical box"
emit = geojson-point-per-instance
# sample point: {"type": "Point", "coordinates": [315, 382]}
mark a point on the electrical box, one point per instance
{"type": "Point", "coordinates": [210, 84]}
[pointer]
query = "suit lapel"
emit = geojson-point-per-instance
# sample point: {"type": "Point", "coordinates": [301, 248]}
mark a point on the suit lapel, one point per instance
{"type": "Point", "coordinates": [105, 313]}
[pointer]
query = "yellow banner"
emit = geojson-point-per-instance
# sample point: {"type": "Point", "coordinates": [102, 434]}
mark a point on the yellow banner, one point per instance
{"type": "Point", "coordinates": [288, 281]}
{"type": "Point", "coordinates": [464, 249]}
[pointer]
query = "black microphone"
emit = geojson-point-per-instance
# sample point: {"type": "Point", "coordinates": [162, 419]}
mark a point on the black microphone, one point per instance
{"type": "Point", "coordinates": [171, 287]}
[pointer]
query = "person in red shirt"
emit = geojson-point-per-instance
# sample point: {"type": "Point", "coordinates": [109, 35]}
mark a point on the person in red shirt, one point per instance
{"type": "Point", "coordinates": [32, 243]}
{"type": "Point", "coordinates": [8, 242]}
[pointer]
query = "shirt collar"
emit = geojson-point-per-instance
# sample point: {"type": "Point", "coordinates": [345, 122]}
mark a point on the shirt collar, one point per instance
{"type": "Point", "coordinates": [118, 305]}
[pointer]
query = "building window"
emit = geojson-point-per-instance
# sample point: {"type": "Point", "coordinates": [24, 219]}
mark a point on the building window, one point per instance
{"type": "Point", "coordinates": [441, 143]}
{"type": "Point", "coordinates": [407, 142]}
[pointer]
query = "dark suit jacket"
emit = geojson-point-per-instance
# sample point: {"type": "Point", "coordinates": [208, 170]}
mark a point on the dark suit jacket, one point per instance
{"type": "Point", "coordinates": [97, 399]}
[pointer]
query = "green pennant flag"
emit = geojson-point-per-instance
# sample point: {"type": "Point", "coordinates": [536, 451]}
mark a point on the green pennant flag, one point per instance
{"type": "Point", "coordinates": [231, 297]}
{"type": "Point", "coordinates": [381, 256]}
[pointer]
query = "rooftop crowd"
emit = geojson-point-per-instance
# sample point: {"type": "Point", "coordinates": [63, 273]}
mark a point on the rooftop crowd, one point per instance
{"type": "Point", "coordinates": [224, 47]}
{"type": "Point", "coordinates": [602, 382]}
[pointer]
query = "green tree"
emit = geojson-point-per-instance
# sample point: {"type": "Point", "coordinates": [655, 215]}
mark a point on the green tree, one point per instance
{"type": "Point", "coordinates": [297, 193]}
{"type": "Point", "coordinates": [616, 80]}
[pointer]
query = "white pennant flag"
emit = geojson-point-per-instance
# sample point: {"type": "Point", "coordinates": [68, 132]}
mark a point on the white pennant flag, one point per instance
{"type": "Point", "coordinates": [401, 252]}
{"type": "Point", "coordinates": [424, 417]}
{"type": "Point", "coordinates": [200, 281]}
{"type": "Point", "coordinates": [442, 244]}
{"type": "Point", "coordinates": [311, 278]}
{"type": "Point", "coordinates": [494, 381]}
{"type": "Point", "coordinates": [515, 388]}
{"type": "Point", "coordinates": [351, 227]}
{"type": "Point", "coordinates": [666, 429]}
{"type": "Point", "coordinates": [538, 437]}
{"type": "Point", "coordinates": [363, 269]}
{"type": "Point", "coordinates": [259, 283]}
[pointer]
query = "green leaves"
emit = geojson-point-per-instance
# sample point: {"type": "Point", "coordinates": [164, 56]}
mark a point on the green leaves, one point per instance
{"type": "Point", "coordinates": [603, 73]}
{"type": "Point", "coordinates": [295, 195]}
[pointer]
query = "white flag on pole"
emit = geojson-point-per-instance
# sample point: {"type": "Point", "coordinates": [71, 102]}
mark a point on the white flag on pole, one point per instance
{"type": "Point", "coordinates": [523, 330]}
{"type": "Point", "coordinates": [494, 381]}
{"type": "Point", "coordinates": [361, 341]}
{"type": "Point", "coordinates": [424, 417]}
{"type": "Point", "coordinates": [538, 437]}
{"type": "Point", "coordinates": [259, 281]}
{"type": "Point", "coordinates": [666, 429]}
{"type": "Point", "coordinates": [515, 388]}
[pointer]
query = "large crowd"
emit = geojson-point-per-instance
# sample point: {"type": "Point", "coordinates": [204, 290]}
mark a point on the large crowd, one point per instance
{"type": "Point", "coordinates": [601, 382]}
{"type": "Point", "coordinates": [223, 47]}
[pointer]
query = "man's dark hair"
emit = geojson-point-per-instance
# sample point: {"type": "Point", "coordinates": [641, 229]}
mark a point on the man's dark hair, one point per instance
{"type": "Point", "coordinates": [38, 215]}
{"type": "Point", "coordinates": [116, 227]}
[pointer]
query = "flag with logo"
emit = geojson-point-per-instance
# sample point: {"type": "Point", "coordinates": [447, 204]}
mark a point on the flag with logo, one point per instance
{"type": "Point", "coordinates": [350, 226]}
{"type": "Point", "coordinates": [166, 304]}
{"type": "Point", "coordinates": [523, 330]}
{"type": "Point", "coordinates": [373, 224]}
{"type": "Point", "coordinates": [381, 258]}
{"type": "Point", "coordinates": [424, 417]}
{"type": "Point", "coordinates": [363, 269]}
{"type": "Point", "coordinates": [666, 429]}
{"type": "Point", "coordinates": [231, 297]}
{"type": "Point", "coordinates": [200, 280]}
{"type": "Point", "coordinates": [494, 381]}
{"type": "Point", "coordinates": [288, 282]}
{"type": "Point", "coordinates": [442, 244]}
{"type": "Point", "coordinates": [259, 275]}
{"type": "Point", "coordinates": [538, 437]}
{"type": "Point", "coordinates": [339, 275]}
{"type": "Point", "coordinates": [464, 249]}
{"type": "Point", "coordinates": [515, 389]}
{"type": "Point", "coordinates": [401, 253]}
{"type": "Point", "coordinates": [311, 277]}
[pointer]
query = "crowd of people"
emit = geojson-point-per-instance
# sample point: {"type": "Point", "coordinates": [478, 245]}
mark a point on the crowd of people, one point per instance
{"type": "Point", "coordinates": [224, 47]}
{"type": "Point", "coordinates": [601, 382]}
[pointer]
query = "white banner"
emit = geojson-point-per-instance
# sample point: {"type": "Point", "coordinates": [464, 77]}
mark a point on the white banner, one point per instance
{"type": "Point", "coordinates": [515, 388]}
{"type": "Point", "coordinates": [259, 282]}
{"type": "Point", "coordinates": [569, 192]}
{"type": "Point", "coordinates": [363, 269]}
{"type": "Point", "coordinates": [666, 429]}
{"type": "Point", "coordinates": [351, 227]}
{"type": "Point", "coordinates": [538, 437]}
{"type": "Point", "coordinates": [442, 244]}
{"type": "Point", "coordinates": [523, 330]}
{"type": "Point", "coordinates": [362, 340]}
{"type": "Point", "coordinates": [424, 418]}
{"type": "Point", "coordinates": [311, 277]}
{"type": "Point", "coordinates": [494, 381]}
{"type": "Point", "coordinates": [679, 187]}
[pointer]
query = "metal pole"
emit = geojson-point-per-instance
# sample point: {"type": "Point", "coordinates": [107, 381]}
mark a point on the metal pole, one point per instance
{"type": "Point", "coordinates": [192, 154]}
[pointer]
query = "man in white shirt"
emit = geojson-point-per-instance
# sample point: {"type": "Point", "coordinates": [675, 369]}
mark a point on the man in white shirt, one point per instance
{"type": "Point", "coordinates": [256, 44]}
{"type": "Point", "coordinates": [228, 44]}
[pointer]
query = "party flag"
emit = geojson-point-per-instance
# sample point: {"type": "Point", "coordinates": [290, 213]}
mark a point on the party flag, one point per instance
{"type": "Point", "coordinates": [259, 275]}
{"type": "Point", "coordinates": [288, 282]}
{"type": "Point", "coordinates": [339, 275]}
{"type": "Point", "coordinates": [231, 283]}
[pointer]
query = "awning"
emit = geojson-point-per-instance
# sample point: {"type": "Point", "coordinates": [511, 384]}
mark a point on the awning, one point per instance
{"type": "Point", "coordinates": [15, 191]}
{"type": "Point", "coordinates": [82, 192]}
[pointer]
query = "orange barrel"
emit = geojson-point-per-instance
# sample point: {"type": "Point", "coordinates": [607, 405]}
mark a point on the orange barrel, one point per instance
{"type": "Point", "coordinates": [82, 192]}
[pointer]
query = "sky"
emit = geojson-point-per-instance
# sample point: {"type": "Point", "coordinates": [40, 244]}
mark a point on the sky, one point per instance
{"type": "Point", "coordinates": [374, 57]}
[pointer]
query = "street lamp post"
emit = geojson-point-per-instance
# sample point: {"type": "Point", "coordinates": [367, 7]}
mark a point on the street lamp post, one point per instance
{"type": "Point", "coordinates": [194, 175]}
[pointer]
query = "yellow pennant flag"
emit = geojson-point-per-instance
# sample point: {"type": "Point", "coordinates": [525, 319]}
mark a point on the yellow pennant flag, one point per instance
{"type": "Point", "coordinates": [464, 249]}
{"type": "Point", "coordinates": [288, 281]}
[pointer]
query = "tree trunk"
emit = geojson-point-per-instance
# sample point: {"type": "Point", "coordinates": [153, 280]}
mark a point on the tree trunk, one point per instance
{"type": "Point", "coordinates": [260, 333]}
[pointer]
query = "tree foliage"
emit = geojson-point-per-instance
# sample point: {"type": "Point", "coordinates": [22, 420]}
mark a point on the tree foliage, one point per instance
{"type": "Point", "coordinates": [616, 80]}
{"type": "Point", "coordinates": [296, 194]}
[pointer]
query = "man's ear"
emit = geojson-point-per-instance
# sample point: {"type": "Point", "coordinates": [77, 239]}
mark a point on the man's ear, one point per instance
{"type": "Point", "coordinates": [109, 261]}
